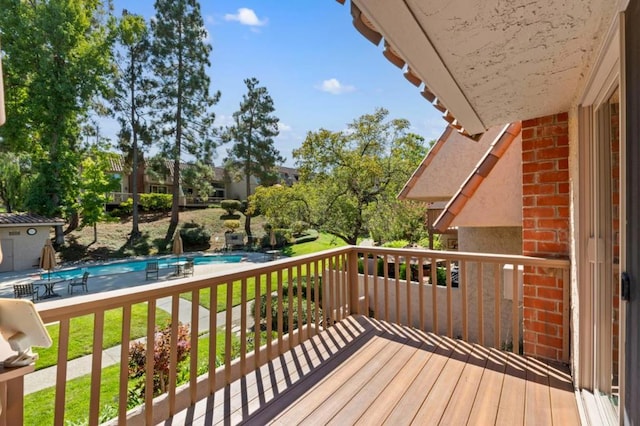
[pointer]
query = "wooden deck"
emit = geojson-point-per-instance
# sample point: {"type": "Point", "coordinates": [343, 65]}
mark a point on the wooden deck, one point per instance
{"type": "Point", "coordinates": [364, 371]}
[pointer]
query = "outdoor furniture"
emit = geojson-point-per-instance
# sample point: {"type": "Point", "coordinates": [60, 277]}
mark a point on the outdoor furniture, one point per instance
{"type": "Point", "coordinates": [49, 285]}
{"type": "Point", "coordinates": [79, 282]}
{"type": "Point", "coordinates": [188, 268]}
{"type": "Point", "coordinates": [152, 269]}
{"type": "Point", "coordinates": [272, 254]}
{"type": "Point", "coordinates": [26, 290]}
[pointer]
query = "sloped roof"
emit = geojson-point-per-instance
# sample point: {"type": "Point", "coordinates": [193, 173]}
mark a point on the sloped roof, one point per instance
{"type": "Point", "coordinates": [446, 166]}
{"type": "Point", "coordinates": [27, 219]}
{"type": "Point", "coordinates": [498, 147]}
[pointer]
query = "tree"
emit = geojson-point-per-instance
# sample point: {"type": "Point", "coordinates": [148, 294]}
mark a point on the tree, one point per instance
{"type": "Point", "coordinates": [15, 176]}
{"type": "Point", "coordinates": [253, 152]}
{"type": "Point", "coordinates": [56, 58]}
{"type": "Point", "coordinates": [129, 97]}
{"type": "Point", "coordinates": [182, 116]}
{"type": "Point", "coordinates": [96, 185]}
{"type": "Point", "coordinates": [347, 175]}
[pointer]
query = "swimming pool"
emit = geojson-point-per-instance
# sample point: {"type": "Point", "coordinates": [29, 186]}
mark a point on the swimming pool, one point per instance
{"type": "Point", "coordinates": [120, 267]}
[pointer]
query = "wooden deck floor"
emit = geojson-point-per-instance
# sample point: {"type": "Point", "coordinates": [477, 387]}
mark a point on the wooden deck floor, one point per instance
{"type": "Point", "coordinates": [364, 371]}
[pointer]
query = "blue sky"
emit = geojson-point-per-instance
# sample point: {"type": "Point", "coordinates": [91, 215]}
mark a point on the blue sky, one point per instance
{"type": "Point", "coordinates": [320, 72]}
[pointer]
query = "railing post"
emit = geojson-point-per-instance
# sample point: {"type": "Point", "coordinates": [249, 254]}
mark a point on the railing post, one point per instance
{"type": "Point", "coordinates": [11, 394]}
{"type": "Point", "coordinates": [354, 296]}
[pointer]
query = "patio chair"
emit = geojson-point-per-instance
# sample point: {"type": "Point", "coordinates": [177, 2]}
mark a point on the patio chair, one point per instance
{"type": "Point", "coordinates": [79, 282]}
{"type": "Point", "coordinates": [26, 290]}
{"type": "Point", "coordinates": [188, 269]}
{"type": "Point", "coordinates": [152, 269]}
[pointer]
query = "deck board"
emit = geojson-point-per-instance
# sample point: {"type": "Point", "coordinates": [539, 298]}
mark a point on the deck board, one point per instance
{"type": "Point", "coordinates": [365, 371]}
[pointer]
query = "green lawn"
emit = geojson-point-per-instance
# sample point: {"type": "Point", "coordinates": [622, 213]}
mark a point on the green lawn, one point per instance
{"type": "Point", "coordinates": [81, 333]}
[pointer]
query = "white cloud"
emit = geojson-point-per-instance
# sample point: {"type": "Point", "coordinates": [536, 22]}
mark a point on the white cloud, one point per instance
{"type": "Point", "coordinates": [246, 17]}
{"type": "Point", "coordinates": [284, 127]}
{"type": "Point", "coordinates": [209, 19]}
{"type": "Point", "coordinates": [334, 87]}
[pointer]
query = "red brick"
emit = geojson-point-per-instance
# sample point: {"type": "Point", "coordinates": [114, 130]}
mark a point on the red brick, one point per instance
{"type": "Point", "coordinates": [537, 167]}
{"type": "Point", "coordinates": [563, 188]}
{"type": "Point", "coordinates": [529, 201]}
{"type": "Point", "coordinates": [550, 293]}
{"type": "Point", "coordinates": [540, 327]}
{"type": "Point", "coordinates": [552, 200]}
{"type": "Point", "coordinates": [545, 352]}
{"type": "Point", "coordinates": [530, 291]}
{"type": "Point", "coordinates": [539, 189]}
{"type": "Point", "coordinates": [553, 224]}
{"type": "Point", "coordinates": [559, 176]}
{"type": "Point", "coordinates": [528, 156]}
{"type": "Point", "coordinates": [562, 164]}
{"type": "Point", "coordinates": [550, 153]}
{"type": "Point", "coordinates": [553, 248]}
{"type": "Point", "coordinates": [528, 223]}
{"type": "Point", "coordinates": [529, 178]}
{"type": "Point", "coordinates": [530, 123]}
{"type": "Point", "coordinates": [550, 317]}
{"type": "Point", "coordinates": [562, 117]}
{"type": "Point", "coordinates": [557, 130]}
{"type": "Point", "coordinates": [553, 342]}
{"type": "Point", "coordinates": [529, 247]}
{"type": "Point", "coordinates": [562, 140]}
{"type": "Point", "coordinates": [528, 133]}
{"type": "Point", "coordinates": [549, 119]}
{"type": "Point", "coordinates": [547, 212]}
{"type": "Point", "coordinates": [540, 280]}
{"type": "Point", "coordinates": [563, 212]}
{"type": "Point", "coordinates": [533, 234]}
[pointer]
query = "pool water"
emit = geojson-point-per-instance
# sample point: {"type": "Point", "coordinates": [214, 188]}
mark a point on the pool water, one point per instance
{"type": "Point", "coordinates": [139, 265]}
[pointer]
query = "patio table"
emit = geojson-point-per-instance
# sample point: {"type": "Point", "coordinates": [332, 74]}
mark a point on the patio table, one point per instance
{"type": "Point", "coordinates": [49, 290]}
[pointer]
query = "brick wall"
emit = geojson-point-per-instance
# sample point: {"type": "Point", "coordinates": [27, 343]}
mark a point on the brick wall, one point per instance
{"type": "Point", "coordinates": [545, 231]}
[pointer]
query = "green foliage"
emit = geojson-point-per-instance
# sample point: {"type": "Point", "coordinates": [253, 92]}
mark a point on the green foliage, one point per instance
{"type": "Point", "coordinates": [291, 290]}
{"type": "Point", "coordinates": [308, 236]}
{"type": "Point", "coordinates": [346, 176]}
{"type": "Point", "coordinates": [281, 205]}
{"type": "Point", "coordinates": [231, 206]}
{"type": "Point", "coordinates": [56, 60]}
{"type": "Point", "coordinates": [252, 136]}
{"type": "Point", "coordinates": [138, 353]}
{"type": "Point", "coordinates": [195, 236]}
{"type": "Point", "coordinates": [379, 270]}
{"type": "Point", "coordinates": [396, 244]}
{"type": "Point", "coordinates": [97, 183]}
{"type": "Point", "coordinates": [183, 120]}
{"type": "Point", "coordinates": [15, 177]}
{"type": "Point", "coordinates": [125, 208]}
{"type": "Point", "coordinates": [396, 219]}
{"type": "Point", "coordinates": [298, 227]}
{"type": "Point", "coordinates": [232, 224]}
{"type": "Point", "coordinates": [155, 202]}
{"type": "Point", "coordinates": [283, 237]}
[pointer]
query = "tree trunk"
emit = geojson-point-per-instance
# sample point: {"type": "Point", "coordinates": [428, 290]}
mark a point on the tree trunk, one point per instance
{"type": "Point", "coordinates": [95, 233]}
{"type": "Point", "coordinates": [74, 221]}
{"type": "Point", "coordinates": [135, 230]}
{"type": "Point", "coordinates": [59, 240]}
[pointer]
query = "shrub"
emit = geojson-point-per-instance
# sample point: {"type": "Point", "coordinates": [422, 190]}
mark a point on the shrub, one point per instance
{"type": "Point", "coordinates": [305, 292]}
{"type": "Point", "coordinates": [195, 236]}
{"type": "Point", "coordinates": [161, 357]}
{"type": "Point", "coordinates": [310, 235]}
{"type": "Point", "coordinates": [155, 202]}
{"type": "Point", "coordinates": [283, 237]}
{"type": "Point", "coordinates": [230, 217]}
{"type": "Point", "coordinates": [124, 208]}
{"type": "Point", "coordinates": [298, 227]}
{"type": "Point", "coordinates": [232, 224]}
{"type": "Point", "coordinates": [231, 206]}
{"type": "Point", "coordinates": [379, 272]}
{"type": "Point", "coordinates": [396, 244]}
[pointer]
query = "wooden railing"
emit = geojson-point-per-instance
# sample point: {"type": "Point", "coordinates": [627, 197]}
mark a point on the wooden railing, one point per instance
{"type": "Point", "coordinates": [332, 288]}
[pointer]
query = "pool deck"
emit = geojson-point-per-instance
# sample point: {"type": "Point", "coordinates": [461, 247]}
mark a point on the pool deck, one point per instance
{"type": "Point", "coordinates": [102, 283]}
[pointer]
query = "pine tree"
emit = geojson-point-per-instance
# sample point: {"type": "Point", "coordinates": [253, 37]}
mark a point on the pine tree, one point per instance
{"type": "Point", "coordinates": [183, 120]}
{"type": "Point", "coordinates": [253, 152]}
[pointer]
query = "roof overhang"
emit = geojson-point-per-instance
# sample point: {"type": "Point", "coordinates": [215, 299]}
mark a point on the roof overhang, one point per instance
{"type": "Point", "coordinates": [491, 62]}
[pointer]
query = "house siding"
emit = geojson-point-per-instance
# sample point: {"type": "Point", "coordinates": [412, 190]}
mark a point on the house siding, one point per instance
{"type": "Point", "coordinates": [545, 231]}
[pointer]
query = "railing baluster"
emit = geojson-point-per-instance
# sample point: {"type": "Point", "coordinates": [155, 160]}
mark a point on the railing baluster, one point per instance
{"type": "Point", "coordinates": [385, 263]}
{"type": "Point", "coordinates": [173, 355]}
{"type": "Point", "coordinates": [290, 306]}
{"type": "Point", "coordinates": [434, 294]}
{"type": "Point", "coordinates": [195, 325]}
{"type": "Point", "coordinates": [257, 327]}
{"type": "Point", "coordinates": [96, 367]}
{"type": "Point", "coordinates": [396, 270]}
{"type": "Point", "coordinates": [408, 279]}
{"type": "Point", "coordinates": [480, 295]}
{"type": "Point", "coordinates": [227, 333]}
{"type": "Point", "coordinates": [462, 282]}
{"type": "Point", "coordinates": [515, 310]}
{"type": "Point", "coordinates": [243, 325]}
{"type": "Point", "coordinates": [299, 301]}
{"type": "Point", "coordinates": [449, 300]}
{"type": "Point", "coordinates": [149, 364]}
{"type": "Point", "coordinates": [566, 313]}
{"type": "Point", "coordinates": [213, 337]}
{"type": "Point", "coordinates": [376, 292]}
{"type": "Point", "coordinates": [280, 314]}
{"type": "Point", "coordinates": [365, 282]}
{"type": "Point", "coordinates": [309, 287]}
{"type": "Point", "coordinates": [269, 317]}
{"type": "Point", "coordinates": [421, 288]}
{"type": "Point", "coordinates": [346, 309]}
{"type": "Point", "coordinates": [497, 302]}
{"type": "Point", "coordinates": [124, 364]}
{"type": "Point", "coordinates": [61, 372]}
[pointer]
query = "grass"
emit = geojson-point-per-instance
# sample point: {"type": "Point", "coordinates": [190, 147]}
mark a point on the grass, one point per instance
{"type": "Point", "coordinates": [39, 406]}
{"type": "Point", "coordinates": [81, 333]}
